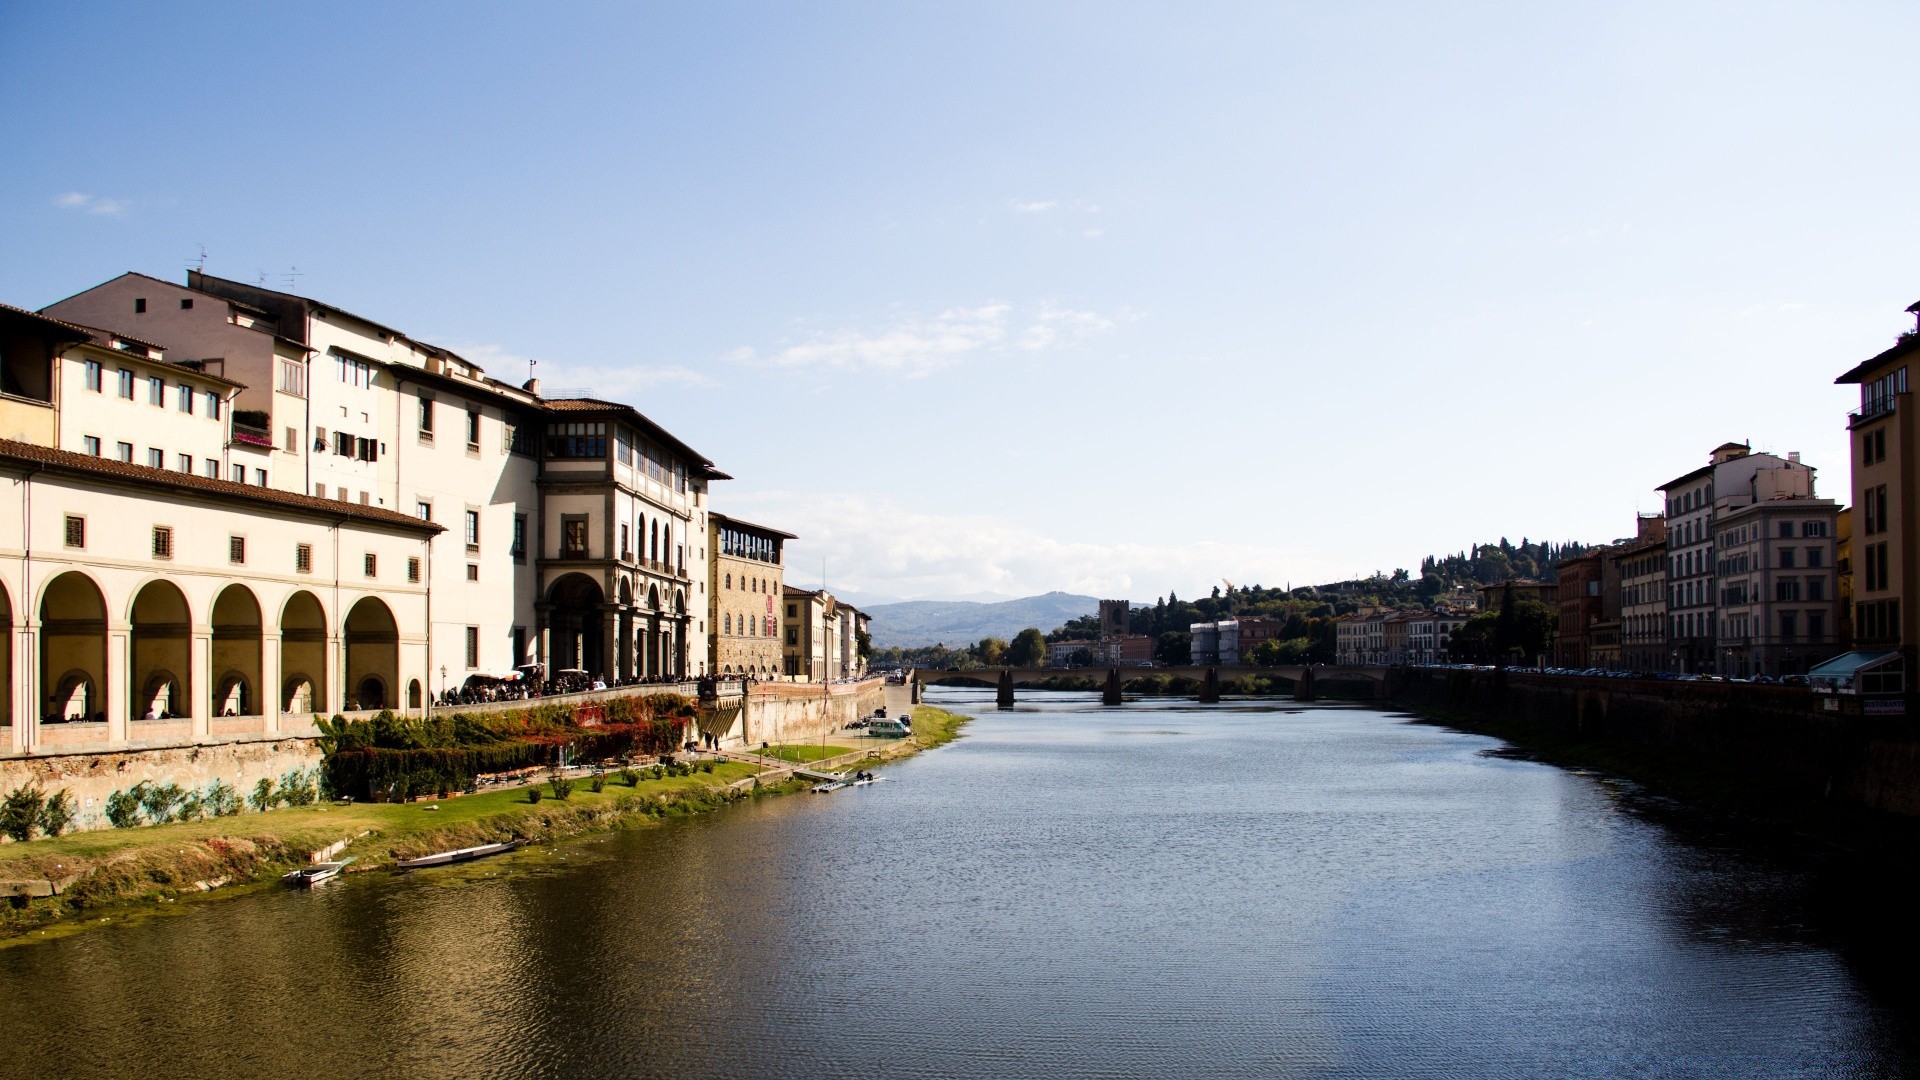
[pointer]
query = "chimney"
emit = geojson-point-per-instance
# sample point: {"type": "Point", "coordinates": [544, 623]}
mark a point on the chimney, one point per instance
{"type": "Point", "coordinates": [531, 386]}
{"type": "Point", "coordinates": [1793, 456]}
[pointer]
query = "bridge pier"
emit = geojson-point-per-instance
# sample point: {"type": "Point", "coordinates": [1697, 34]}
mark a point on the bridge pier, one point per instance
{"type": "Point", "coordinates": [1005, 698]}
{"type": "Point", "coordinates": [1111, 694]}
{"type": "Point", "coordinates": [916, 690]}
{"type": "Point", "coordinates": [1210, 687]}
{"type": "Point", "coordinates": [1303, 686]}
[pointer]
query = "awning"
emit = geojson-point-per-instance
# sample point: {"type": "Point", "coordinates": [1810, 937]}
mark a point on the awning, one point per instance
{"type": "Point", "coordinates": [1840, 674]}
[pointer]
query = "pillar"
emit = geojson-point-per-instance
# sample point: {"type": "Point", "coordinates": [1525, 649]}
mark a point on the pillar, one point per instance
{"type": "Point", "coordinates": [916, 689]}
{"type": "Point", "coordinates": [609, 641]}
{"type": "Point", "coordinates": [26, 689]}
{"type": "Point", "coordinates": [1005, 698]}
{"type": "Point", "coordinates": [269, 690]}
{"type": "Point", "coordinates": [1303, 686]}
{"type": "Point", "coordinates": [1210, 687]}
{"type": "Point", "coordinates": [1111, 694]}
{"type": "Point", "coordinates": [117, 691]}
{"type": "Point", "coordinates": [199, 683]}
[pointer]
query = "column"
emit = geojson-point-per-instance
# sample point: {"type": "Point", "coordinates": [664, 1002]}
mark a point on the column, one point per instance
{"type": "Point", "coordinates": [200, 682]}
{"type": "Point", "coordinates": [336, 678]}
{"type": "Point", "coordinates": [117, 692]}
{"type": "Point", "coordinates": [26, 688]}
{"type": "Point", "coordinates": [609, 640]}
{"type": "Point", "coordinates": [268, 692]}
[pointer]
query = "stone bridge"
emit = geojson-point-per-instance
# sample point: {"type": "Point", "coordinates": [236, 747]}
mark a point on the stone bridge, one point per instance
{"type": "Point", "coordinates": [1307, 680]}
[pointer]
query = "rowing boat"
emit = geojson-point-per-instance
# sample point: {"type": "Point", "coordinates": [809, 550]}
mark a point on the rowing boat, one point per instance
{"type": "Point", "coordinates": [457, 855]}
{"type": "Point", "coordinates": [318, 874]}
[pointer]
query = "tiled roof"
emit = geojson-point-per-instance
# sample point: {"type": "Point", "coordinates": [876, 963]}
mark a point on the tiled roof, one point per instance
{"type": "Point", "coordinates": [745, 524]}
{"type": "Point", "coordinates": [87, 464]}
{"type": "Point", "coordinates": [80, 332]}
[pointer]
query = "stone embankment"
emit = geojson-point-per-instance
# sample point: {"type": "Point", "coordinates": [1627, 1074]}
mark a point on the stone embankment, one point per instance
{"type": "Point", "coordinates": [1764, 748]}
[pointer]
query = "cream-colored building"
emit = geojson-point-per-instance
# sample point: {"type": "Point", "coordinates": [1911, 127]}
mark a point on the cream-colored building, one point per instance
{"type": "Point", "coordinates": [745, 564]}
{"type": "Point", "coordinates": [821, 636]}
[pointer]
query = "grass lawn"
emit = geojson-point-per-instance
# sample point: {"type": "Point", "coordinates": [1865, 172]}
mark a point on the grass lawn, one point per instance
{"type": "Point", "coordinates": [312, 827]}
{"type": "Point", "coordinates": [802, 753]}
{"type": "Point", "coordinates": [935, 727]}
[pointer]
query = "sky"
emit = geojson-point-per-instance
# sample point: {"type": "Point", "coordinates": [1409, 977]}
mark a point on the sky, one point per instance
{"type": "Point", "coordinates": [1002, 298]}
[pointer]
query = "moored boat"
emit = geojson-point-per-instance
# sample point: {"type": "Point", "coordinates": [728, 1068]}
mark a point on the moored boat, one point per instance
{"type": "Point", "coordinates": [457, 855]}
{"type": "Point", "coordinates": [318, 874]}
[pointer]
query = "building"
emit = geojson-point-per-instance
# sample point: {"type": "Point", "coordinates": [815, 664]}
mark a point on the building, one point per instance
{"type": "Point", "coordinates": [162, 606]}
{"type": "Point", "coordinates": [1884, 564]}
{"type": "Point", "coordinates": [1579, 591]}
{"type": "Point", "coordinates": [1394, 644]}
{"type": "Point", "coordinates": [1350, 639]}
{"type": "Point", "coordinates": [1778, 594]}
{"type": "Point", "coordinates": [1694, 500]}
{"type": "Point", "coordinates": [1641, 569]}
{"type": "Point", "coordinates": [1116, 618]}
{"type": "Point", "coordinates": [1230, 642]}
{"type": "Point", "coordinates": [1429, 633]}
{"type": "Point", "coordinates": [821, 637]}
{"type": "Point", "coordinates": [1546, 593]}
{"type": "Point", "coordinates": [744, 610]}
{"type": "Point", "coordinates": [578, 526]}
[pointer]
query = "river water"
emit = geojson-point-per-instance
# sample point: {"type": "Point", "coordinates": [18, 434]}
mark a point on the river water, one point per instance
{"type": "Point", "coordinates": [1159, 889]}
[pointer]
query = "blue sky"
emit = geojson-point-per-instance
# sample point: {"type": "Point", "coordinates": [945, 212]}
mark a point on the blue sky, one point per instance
{"type": "Point", "coordinates": [1002, 298]}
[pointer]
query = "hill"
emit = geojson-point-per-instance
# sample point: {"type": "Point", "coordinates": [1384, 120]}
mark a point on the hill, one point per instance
{"type": "Point", "coordinates": [914, 623]}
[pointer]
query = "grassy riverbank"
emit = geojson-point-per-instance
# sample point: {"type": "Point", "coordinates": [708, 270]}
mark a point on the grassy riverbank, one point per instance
{"type": "Point", "coordinates": [111, 870]}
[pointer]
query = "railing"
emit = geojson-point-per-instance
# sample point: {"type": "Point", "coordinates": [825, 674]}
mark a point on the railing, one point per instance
{"type": "Point", "coordinates": [1875, 408]}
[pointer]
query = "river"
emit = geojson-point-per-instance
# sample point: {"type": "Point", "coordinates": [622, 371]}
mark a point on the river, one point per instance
{"type": "Point", "coordinates": [1068, 891]}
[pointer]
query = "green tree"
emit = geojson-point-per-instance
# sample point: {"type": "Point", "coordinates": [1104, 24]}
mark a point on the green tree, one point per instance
{"type": "Point", "coordinates": [1029, 649]}
{"type": "Point", "coordinates": [991, 651]}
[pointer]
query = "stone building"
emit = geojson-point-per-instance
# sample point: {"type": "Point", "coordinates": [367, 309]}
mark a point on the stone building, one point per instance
{"type": "Point", "coordinates": [1885, 455]}
{"type": "Point", "coordinates": [744, 571]}
{"type": "Point", "coordinates": [1641, 569]}
{"type": "Point", "coordinates": [1779, 601]}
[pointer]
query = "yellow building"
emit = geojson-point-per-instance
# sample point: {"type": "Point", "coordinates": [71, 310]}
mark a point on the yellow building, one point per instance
{"type": "Point", "coordinates": [743, 608]}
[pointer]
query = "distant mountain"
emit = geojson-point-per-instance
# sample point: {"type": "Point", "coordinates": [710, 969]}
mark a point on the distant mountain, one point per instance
{"type": "Point", "coordinates": [961, 622]}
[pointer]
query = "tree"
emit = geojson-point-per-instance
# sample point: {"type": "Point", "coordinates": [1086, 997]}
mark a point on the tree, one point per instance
{"type": "Point", "coordinates": [991, 651]}
{"type": "Point", "coordinates": [1174, 647]}
{"type": "Point", "coordinates": [1029, 649]}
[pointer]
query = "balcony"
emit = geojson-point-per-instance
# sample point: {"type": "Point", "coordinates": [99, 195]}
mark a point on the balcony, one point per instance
{"type": "Point", "coordinates": [1872, 410]}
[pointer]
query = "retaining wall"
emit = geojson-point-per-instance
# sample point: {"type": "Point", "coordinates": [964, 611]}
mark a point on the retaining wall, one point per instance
{"type": "Point", "coordinates": [1783, 738]}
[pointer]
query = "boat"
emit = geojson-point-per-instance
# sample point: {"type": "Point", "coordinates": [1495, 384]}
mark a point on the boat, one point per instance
{"type": "Point", "coordinates": [830, 785]}
{"type": "Point", "coordinates": [457, 855]}
{"type": "Point", "coordinates": [318, 874]}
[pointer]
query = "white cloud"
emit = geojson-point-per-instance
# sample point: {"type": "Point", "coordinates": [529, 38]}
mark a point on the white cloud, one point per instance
{"type": "Point", "coordinates": [915, 346]}
{"type": "Point", "coordinates": [92, 204]}
{"type": "Point", "coordinates": [1093, 234]}
{"type": "Point", "coordinates": [615, 383]}
{"type": "Point", "coordinates": [874, 545]}
{"type": "Point", "coordinates": [1040, 206]}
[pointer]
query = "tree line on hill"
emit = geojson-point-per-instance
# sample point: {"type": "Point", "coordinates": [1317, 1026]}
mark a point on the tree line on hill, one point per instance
{"type": "Point", "coordinates": [1308, 633]}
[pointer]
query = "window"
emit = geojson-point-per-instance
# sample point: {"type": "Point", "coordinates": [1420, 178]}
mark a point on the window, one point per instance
{"type": "Point", "coordinates": [1875, 504]}
{"type": "Point", "coordinates": [728, 582]}
{"type": "Point", "coordinates": [726, 624]}
{"type": "Point", "coordinates": [792, 611]}
{"type": "Point", "coordinates": [1816, 588]}
{"type": "Point", "coordinates": [236, 549]}
{"type": "Point", "coordinates": [793, 636]}
{"type": "Point", "coordinates": [124, 451]}
{"type": "Point", "coordinates": [186, 303]}
{"type": "Point", "coordinates": [342, 444]}
{"type": "Point", "coordinates": [1816, 625]}
{"type": "Point", "coordinates": [293, 377]}
{"type": "Point", "coordinates": [423, 510]}
{"type": "Point", "coordinates": [185, 462]}
{"type": "Point", "coordinates": [413, 569]}
{"type": "Point", "coordinates": [76, 531]}
{"type": "Point", "coordinates": [186, 399]}
{"type": "Point", "coordinates": [353, 372]}
{"type": "Point", "coordinates": [371, 565]}
{"type": "Point", "coordinates": [1786, 558]}
{"type": "Point", "coordinates": [156, 391]}
{"type": "Point", "coordinates": [93, 375]}
{"type": "Point", "coordinates": [577, 441]}
{"type": "Point", "coordinates": [1789, 625]}
{"type": "Point", "coordinates": [1814, 528]}
{"type": "Point", "coordinates": [293, 440]}
{"type": "Point", "coordinates": [473, 571]}
{"type": "Point", "coordinates": [303, 558]}
{"type": "Point", "coordinates": [212, 468]}
{"type": "Point", "coordinates": [156, 458]}
{"type": "Point", "coordinates": [1786, 589]}
{"type": "Point", "coordinates": [473, 429]}
{"type": "Point", "coordinates": [473, 530]}
{"type": "Point", "coordinates": [162, 542]}
{"type": "Point", "coordinates": [213, 405]}
{"type": "Point", "coordinates": [239, 474]}
{"type": "Point", "coordinates": [123, 383]}
{"type": "Point", "coordinates": [260, 478]}
{"type": "Point", "coordinates": [139, 305]}
{"type": "Point", "coordinates": [1815, 556]}
{"type": "Point", "coordinates": [573, 536]}
{"type": "Point", "coordinates": [626, 545]}
{"type": "Point", "coordinates": [426, 418]}
{"type": "Point", "coordinates": [473, 647]}
{"type": "Point", "coordinates": [517, 440]}
{"type": "Point", "coordinates": [519, 537]}
{"type": "Point", "coordinates": [91, 443]}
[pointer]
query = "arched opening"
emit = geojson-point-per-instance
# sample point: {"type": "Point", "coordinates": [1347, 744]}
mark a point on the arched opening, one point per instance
{"type": "Point", "coordinates": [161, 674]}
{"type": "Point", "coordinates": [676, 647]}
{"type": "Point", "coordinates": [6, 666]}
{"type": "Point", "coordinates": [303, 655]}
{"type": "Point", "coordinates": [73, 650]}
{"type": "Point", "coordinates": [413, 694]}
{"type": "Point", "coordinates": [573, 623]}
{"type": "Point", "coordinates": [373, 654]}
{"type": "Point", "coordinates": [625, 661]}
{"type": "Point", "coordinates": [236, 652]}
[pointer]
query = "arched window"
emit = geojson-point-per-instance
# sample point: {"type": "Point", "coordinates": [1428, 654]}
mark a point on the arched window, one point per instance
{"type": "Point", "coordinates": [727, 625]}
{"type": "Point", "coordinates": [729, 581]}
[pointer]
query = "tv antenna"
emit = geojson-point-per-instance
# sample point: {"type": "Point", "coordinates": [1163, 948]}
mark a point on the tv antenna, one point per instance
{"type": "Point", "coordinates": [292, 276]}
{"type": "Point", "coordinates": [199, 264]}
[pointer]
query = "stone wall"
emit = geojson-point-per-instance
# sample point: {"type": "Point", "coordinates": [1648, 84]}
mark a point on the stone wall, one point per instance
{"type": "Point", "coordinates": [93, 777]}
{"type": "Point", "coordinates": [1781, 738]}
{"type": "Point", "coordinates": [797, 712]}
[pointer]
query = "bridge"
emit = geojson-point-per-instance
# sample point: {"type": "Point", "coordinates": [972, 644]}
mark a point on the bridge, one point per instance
{"type": "Point", "coordinates": [1307, 681]}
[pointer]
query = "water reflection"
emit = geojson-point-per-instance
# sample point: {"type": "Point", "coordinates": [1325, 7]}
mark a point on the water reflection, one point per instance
{"type": "Point", "coordinates": [1069, 891]}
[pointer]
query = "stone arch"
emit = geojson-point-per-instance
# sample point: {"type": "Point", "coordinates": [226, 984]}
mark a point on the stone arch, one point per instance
{"type": "Point", "coordinates": [625, 654]}
{"type": "Point", "coordinates": [161, 672]}
{"type": "Point", "coordinates": [73, 649]}
{"type": "Point", "coordinates": [373, 654]}
{"type": "Point", "coordinates": [414, 697]}
{"type": "Point", "coordinates": [573, 622]}
{"type": "Point", "coordinates": [303, 655]}
{"type": "Point", "coordinates": [237, 652]}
